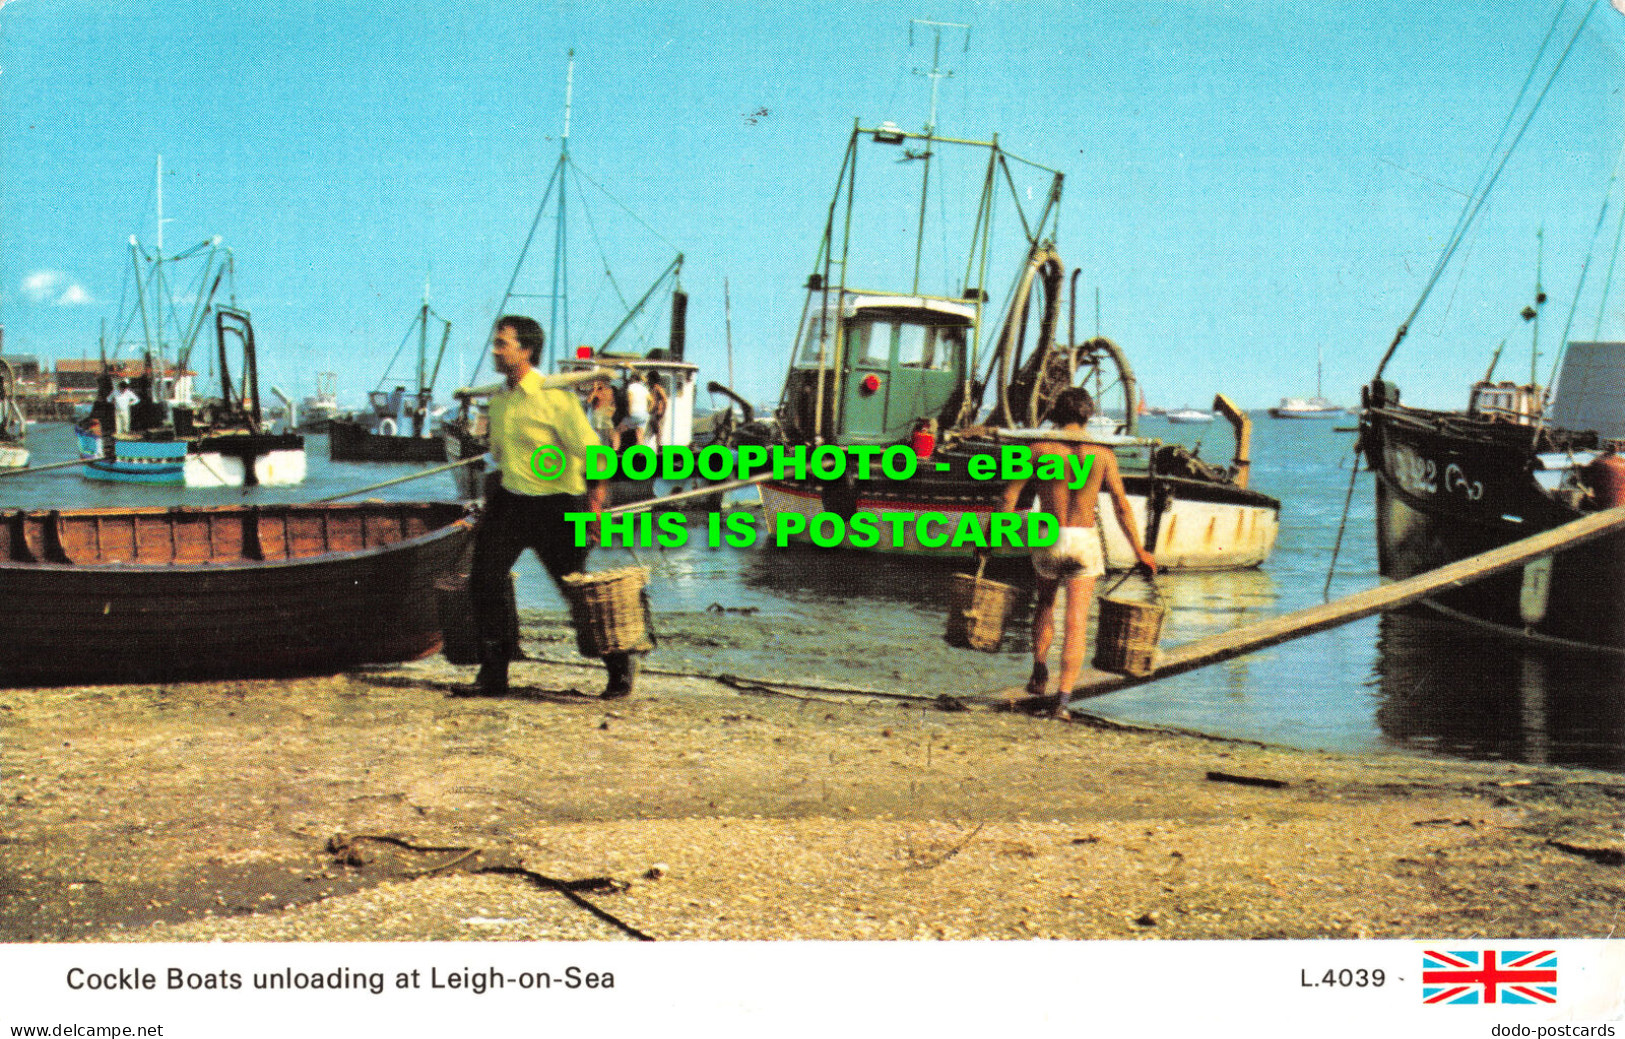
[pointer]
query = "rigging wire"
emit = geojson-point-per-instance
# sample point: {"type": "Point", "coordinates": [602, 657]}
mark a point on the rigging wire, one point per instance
{"type": "Point", "coordinates": [592, 230]}
{"type": "Point", "coordinates": [1608, 281]}
{"type": "Point", "coordinates": [623, 207]}
{"type": "Point", "coordinates": [1574, 307]}
{"type": "Point", "coordinates": [1470, 212]}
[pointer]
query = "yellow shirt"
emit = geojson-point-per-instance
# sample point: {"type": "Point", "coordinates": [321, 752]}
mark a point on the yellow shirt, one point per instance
{"type": "Point", "coordinates": [530, 416]}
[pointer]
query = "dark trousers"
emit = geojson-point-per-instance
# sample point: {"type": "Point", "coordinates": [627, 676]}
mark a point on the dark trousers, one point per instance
{"type": "Point", "coordinates": [510, 524]}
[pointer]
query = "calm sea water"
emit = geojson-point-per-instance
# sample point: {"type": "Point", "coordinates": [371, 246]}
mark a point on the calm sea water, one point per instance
{"type": "Point", "coordinates": [828, 617]}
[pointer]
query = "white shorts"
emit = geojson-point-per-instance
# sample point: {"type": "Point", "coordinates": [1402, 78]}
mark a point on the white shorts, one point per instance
{"type": "Point", "coordinates": [635, 420]}
{"type": "Point", "coordinates": [1076, 553]}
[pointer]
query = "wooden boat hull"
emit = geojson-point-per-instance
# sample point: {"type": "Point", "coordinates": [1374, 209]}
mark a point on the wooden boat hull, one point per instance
{"type": "Point", "coordinates": [353, 442]}
{"type": "Point", "coordinates": [1189, 524]}
{"type": "Point", "coordinates": [1444, 495]}
{"type": "Point", "coordinates": [160, 595]}
{"type": "Point", "coordinates": [225, 460]}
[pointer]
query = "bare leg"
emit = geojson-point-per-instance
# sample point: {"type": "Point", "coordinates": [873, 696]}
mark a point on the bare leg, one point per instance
{"type": "Point", "coordinates": [1080, 591]}
{"type": "Point", "coordinates": [1043, 635]}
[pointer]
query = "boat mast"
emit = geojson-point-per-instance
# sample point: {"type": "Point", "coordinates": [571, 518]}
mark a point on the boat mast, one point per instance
{"type": "Point", "coordinates": [561, 281]}
{"type": "Point", "coordinates": [936, 75]}
{"type": "Point", "coordinates": [161, 293]}
{"type": "Point", "coordinates": [423, 335]}
{"type": "Point", "coordinates": [1533, 313]}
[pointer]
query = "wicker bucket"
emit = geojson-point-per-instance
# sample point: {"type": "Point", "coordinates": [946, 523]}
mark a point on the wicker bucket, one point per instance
{"type": "Point", "coordinates": [610, 611]}
{"type": "Point", "coordinates": [460, 641]}
{"type": "Point", "coordinates": [977, 611]}
{"type": "Point", "coordinates": [1127, 632]}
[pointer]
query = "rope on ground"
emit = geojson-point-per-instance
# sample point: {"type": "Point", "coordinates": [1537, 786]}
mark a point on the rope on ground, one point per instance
{"type": "Point", "coordinates": [770, 684]}
{"type": "Point", "coordinates": [344, 846]}
{"type": "Point", "coordinates": [950, 853]}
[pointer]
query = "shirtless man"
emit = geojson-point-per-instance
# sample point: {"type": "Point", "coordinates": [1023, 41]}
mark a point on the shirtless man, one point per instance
{"type": "Point", "coordinates": [1077, 557]}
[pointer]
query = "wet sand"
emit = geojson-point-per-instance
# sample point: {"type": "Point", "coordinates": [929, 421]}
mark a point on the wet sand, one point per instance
{"type": "Point", "coordinates": [378, 806]}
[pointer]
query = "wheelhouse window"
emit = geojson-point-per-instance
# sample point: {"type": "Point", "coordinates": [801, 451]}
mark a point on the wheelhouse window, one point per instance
{"type": "Point", "coordinates": [815, 327]}
{"type": "Point", "coordinates": [930, 347]}
{"type": "Point", "coordinates": [869, 343]}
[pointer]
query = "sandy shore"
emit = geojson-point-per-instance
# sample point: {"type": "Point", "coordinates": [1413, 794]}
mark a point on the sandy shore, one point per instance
{"type": "Point", "coordinates": [699, 810]}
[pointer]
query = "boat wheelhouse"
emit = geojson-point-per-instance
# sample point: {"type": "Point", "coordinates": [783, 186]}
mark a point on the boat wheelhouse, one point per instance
{"type": "Point", "coordinates": [954, 378]}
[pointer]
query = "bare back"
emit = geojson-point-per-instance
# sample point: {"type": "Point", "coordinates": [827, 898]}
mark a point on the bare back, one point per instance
{"type": "Point", "coordinates": [1071, 505]}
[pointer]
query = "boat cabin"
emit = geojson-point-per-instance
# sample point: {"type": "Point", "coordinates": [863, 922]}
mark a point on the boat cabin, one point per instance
{"type": "Point", "coordinates": [885, 362]}
{"type": "Point", "coordinates": [676, 426]}
{"type": "Point", "coordinates": [1505, 402]}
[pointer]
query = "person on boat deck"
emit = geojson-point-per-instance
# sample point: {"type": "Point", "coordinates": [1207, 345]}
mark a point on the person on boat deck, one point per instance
{"type": "Point", "coordinates": [637, 410]}
{"type": "Point", "coordinates": [123, 401]}
{"type": "Point", "coordinates": [532, 425]}
{"type": "Point", "coordinates": [1078, 556]}
{"type": "Point", "coordinates": [601, 411]}
{"type": "Point", "coordinates": [659, 399]}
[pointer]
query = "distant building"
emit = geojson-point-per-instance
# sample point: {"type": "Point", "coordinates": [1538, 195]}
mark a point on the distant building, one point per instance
{"type": "Point", "coordinates": [27, 369]}
{"type": "Point", "coordinates": [78, 378]}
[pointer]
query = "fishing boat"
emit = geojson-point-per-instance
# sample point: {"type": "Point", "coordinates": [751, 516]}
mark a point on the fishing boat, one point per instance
{"type": "Point", "coordinates": [319, 409]}
{"type": "Point", "coordinates": [398, 425]}
{"type": "Point", "coordinates": [170, 438]}
{"type": "Point", "coordinates": [239, 591]}
{"type": "Point", "coordinates": [1517, 461]}
{"type": "Point", "coordinates": [13, 424]}
{"type": "Point", "coordinates": [1309, 407]}
{"type": "Point", "coordinates": [1454, 484]}
{"type": "Point", "coordinates": [939, 374]}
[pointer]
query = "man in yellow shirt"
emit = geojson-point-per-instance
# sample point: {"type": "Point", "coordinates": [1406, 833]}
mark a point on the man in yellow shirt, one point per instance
{"type": "Point", "coordinates": [539, 439]}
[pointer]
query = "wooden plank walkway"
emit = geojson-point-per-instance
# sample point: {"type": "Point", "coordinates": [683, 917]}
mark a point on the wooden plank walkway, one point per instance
{"type": "Point", "coordinates": [1358, 606]}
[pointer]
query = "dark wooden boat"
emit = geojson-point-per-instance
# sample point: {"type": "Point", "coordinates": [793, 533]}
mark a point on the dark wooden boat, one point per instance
{"type": "Point", "coordinates": [351, 441]}
{"type": "Point", "coordinates": [396, 427]}
{"type": "Point", "coordinates": [1451, 485]}
{"type": "Point", "coordinates": [1520, 460]}
{"type": "Point", "coordinates": [171, 594]}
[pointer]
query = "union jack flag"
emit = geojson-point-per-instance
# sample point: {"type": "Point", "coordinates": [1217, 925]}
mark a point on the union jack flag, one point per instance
{"type": "Point", "coordinates": [1489, 976]}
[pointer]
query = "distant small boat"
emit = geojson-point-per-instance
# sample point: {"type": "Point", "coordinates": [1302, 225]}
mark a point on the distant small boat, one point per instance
{"type": "Point", "coordinates": [321, 407]}
{"type": "Point", "coordinates": [1309, 407]}
{"type": "Point", "coordinates": [1188, 416]}
{"type": "Point", "coordinates": [236, 591]}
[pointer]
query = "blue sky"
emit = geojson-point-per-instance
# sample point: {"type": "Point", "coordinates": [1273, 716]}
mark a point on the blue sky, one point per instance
{"type": "Point", "coordinates": [1247, 182]}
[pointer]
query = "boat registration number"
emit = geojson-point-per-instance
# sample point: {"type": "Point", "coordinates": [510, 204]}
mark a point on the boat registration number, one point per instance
{"type": "Point", "coordinates": [1420, 475]}
{"type": "Point", "coordinates": [1413, 472]}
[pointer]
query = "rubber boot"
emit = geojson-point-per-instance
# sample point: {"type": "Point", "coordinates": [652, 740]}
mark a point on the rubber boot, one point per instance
{"type": "Point", "coordinates": [493, 677]}
{"type": "Point", "coordinates": [623, 672]}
